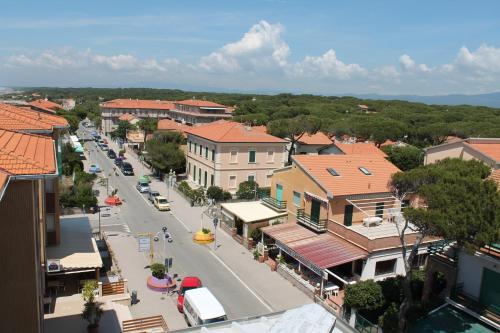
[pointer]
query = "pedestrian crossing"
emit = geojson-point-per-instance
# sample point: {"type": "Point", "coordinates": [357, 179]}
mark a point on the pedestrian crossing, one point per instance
{"type": "Point", "coordinates": [117, 227]}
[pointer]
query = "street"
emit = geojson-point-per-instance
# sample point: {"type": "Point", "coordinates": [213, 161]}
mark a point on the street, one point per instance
{"type": "Point", "coordinates": [188, 258]}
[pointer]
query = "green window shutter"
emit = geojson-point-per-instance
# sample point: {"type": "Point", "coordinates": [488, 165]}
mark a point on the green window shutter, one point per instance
{"type": "Point", "coordinates": [201, 150]}
{"type": "Point", "coordinates": [194, 172]}
{"type": "Point", "coordinates": [190, 143]}
{"type": "Point", "coordinates": [205, 180]}
{"type": "Point", "coordinates": [251, 156]}
{"type": "Point", "coordinates": [206, 152]}
{"type": "Point", "coordinates": [211, 180]}
{"type": "Point", "coordinates": [213, 154]}
{"type": "Point", "coordinates": [348, 215]}
{"type": "Point", "coordinates": [199, 176]}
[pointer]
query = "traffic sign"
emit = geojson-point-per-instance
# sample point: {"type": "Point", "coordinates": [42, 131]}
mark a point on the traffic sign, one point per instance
{"type": "Point", "coordinates": [144, 243]}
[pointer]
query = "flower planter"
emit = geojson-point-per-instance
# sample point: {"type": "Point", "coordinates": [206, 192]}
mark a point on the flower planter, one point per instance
{"type": "Point", "coordinates": [261, 259]}
{"type": "Point", "coordinates": [202, 238]}
{"type": "Point", "coordinates": [164, 284]}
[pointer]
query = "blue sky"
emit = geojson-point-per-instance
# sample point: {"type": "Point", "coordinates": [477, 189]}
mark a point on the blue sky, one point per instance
{"type": "Point", "coordinates": [323, 47]}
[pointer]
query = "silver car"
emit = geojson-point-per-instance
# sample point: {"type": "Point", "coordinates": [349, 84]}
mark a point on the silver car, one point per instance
{"type": "Point", "coordinates": [142, 187]}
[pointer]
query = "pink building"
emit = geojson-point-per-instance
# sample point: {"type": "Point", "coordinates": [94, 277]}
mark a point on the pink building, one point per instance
{"type": "Point", "coordinates": [226, 153]}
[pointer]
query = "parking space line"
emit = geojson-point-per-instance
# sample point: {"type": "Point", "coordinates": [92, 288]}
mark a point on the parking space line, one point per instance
{"type": "Point", "coordinates": [241, 281]}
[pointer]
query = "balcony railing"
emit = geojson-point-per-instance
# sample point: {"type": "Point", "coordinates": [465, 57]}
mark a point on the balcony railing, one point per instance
{"type": "Point", "coordinates": [274, 203]}
{"type": "Point", "coordinates": [316, 225]}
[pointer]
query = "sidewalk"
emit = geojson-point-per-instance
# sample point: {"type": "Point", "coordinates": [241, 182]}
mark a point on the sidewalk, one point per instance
{"type": "Point", "coordinates": [269, 287]}
{"type": "Point", "coordinates": [132, 264]}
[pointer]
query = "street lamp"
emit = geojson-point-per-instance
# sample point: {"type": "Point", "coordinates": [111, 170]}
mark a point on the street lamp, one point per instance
{"type": "Point", "coordinates": [167, 237]}
{"type": "Point", "coordinates": [169, 180]}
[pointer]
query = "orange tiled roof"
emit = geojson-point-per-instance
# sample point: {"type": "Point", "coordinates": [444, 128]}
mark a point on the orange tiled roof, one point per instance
{"type": "Point", "coordinates": [22, 119]}
{"type": "Point", "coordinates": [360, 148]}
{"type": "Point", "coordinates": [46, 104]}
{"type": "Point", "coordinates": [138, 104]}
{"type": "Point", "coordinates": [126, 117]}
{"type": "Point", "coordinates": [491, 149]}
{"type": "Point", "coordinates": [26, 154]}
{"type": "Point", "coordinates": [260, 128]}
{"type": "Point", "coordinates": [171, 125]}
{"type": "Point", "coordinates": [228, 131]}
{"type": "Point", "coordinates": [200, 103]}
{"type": "Point", "coordinates": [351, 180]}
{"type": "Point", "coordinates": [318, 138]}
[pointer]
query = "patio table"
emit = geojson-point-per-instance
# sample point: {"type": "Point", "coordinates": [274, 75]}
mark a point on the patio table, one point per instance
{"type": "Point", "coordinates": [331, 289]}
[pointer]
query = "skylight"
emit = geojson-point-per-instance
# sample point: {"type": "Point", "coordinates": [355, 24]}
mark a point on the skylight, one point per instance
{"type": "Point", "coordinates": [365, 171]}
{"type": "Point", "coordinates": [333, 172]}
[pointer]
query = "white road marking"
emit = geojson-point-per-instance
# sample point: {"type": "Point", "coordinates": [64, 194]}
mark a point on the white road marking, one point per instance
{"type": "Point", "coordinates": [183, 224]}
{"type": "Point", "coordinates": [243, 283]}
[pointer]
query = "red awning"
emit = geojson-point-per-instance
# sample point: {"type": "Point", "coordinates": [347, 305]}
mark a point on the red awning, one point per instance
{"type": "Point", "coordinates": [327, 250]}
{"type": "Point", "coordinates": [288, 232]}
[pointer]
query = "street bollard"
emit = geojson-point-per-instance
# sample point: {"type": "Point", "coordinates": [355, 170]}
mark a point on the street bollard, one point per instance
{"type": "Point", "coordinates": [133, 297]}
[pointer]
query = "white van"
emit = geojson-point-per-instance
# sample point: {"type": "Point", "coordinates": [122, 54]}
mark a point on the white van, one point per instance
{"type": "Point", "coordinates": [201, 307]}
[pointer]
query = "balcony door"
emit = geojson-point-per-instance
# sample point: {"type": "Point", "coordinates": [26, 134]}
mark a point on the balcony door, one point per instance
{"type": "Point", "coordinates": [315, 210]}
{"type": "Point", "coordinates": [279, 192]}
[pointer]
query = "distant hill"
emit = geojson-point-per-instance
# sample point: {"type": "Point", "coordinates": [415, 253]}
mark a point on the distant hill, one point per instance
{"type": "Point", "coordinates": [491, 99]}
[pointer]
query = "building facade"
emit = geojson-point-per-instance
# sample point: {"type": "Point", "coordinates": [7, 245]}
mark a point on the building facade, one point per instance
{"type": "Point", "coordinates": [193, 112]}
{"type": "Point", "coordinates": [343, 221]}
{"type": "Point", "coordinates": [226, 153]}
{"type": "Point", "coordinates": [112, 110]}
{"type": "Point", "coordinates": [24, 176]}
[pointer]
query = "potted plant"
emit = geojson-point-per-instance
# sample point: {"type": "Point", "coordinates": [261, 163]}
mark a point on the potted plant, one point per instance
{"type": "Point", "coordinates": [92, 310]}
{"type": "Point", "coordinates": [158, 270]}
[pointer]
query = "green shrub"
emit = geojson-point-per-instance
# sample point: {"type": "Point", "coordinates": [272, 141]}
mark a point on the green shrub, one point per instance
{"type": "Point", "coordinates": [256, 254]}
{"type": "Point", "coordinates": [216, 193]}
{"type": "Point", "coordinates": [256, 234]}
{"type": "Point", "coordinates": [184, 187]}
{"type": "Point", "coordinates": [247, 190]}
{"type": "Point", "coordinates": [364, 295]}
{"type": "Point", "coordinates": [121, 152]}
{"type": "Point", "coordinates": [226, 196]}
{"type": "Point", "coordinates": [389, 320]}
{"type": "Point", "coordinates": [158, 270]}
{"type": "Point", "coordinates": [206, 231]}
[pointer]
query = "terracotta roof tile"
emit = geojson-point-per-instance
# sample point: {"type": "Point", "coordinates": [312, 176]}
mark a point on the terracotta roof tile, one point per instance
{"type": "Point", "coordinates": [138, 104]}
{"type": "Point", "coordinates": [46, 104]}
{"type": "Point", "coordinates": [26, 154]}
{"type": "Point", "coordinates": [171, 125]}
{"type": "Point", "coordinates": [318, 138]}
{"type": "Point", "coordinates": [200, 103]}
{"type": "Point", "coordinates": [228, 131]}
{"type": "Point", "coordinates": [350, 180]}
{"type": "Point", "coordinates": [126, 117]}
{"type": "Point", "coordinates": [22, 119]}
{"type": "Point", "coordinates": [491, 149]}
{"type": "Point", "coordinates": [360, 148]}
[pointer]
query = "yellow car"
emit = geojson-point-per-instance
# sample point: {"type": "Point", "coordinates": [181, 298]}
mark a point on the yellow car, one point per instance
{"type": "Point", "coordinates": [161, 203]}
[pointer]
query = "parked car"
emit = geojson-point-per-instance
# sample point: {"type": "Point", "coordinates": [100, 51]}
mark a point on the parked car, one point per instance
{"type": "Point", "coordinates": [118, 162]}
{"type": "Point", "coordinates": [104, 147]}
{"type": "Point", "coordinates": [142, 187]}
{"type": "Point", "coordinates": [201, 307]}
{"type": "Point", "coordinates": [94, 168]}
{"type": "Point", "coordinates": [127, 169]}
{"type": "Point", "coordinates": [161, 203]}
{"type": "Point", "coordinates": [97, 138]}
{"type": "Point", "coordinates": [188, 283]}
{"type": "Point", "coordinates": [105, 141]}
{"type": "Point", "coordinates": [111, 154]}
{"type": "Point", "coordinates": [152, 195]}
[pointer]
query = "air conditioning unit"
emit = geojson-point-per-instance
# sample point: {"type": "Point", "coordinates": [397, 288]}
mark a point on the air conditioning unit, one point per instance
{"type": "Point", "coordinates": [372, 221]}
{"type": "Point", "coordinates": [53, 265]}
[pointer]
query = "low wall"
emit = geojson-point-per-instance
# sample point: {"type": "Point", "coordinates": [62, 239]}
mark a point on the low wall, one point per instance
{"type": "Point", "coordinates": [294, 282]}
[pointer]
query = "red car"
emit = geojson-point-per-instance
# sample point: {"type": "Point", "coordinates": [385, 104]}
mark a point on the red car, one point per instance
{"type": "Point", "coordinates": [105, 141]}
{"type": "Point", "coordinates": [189, 282]}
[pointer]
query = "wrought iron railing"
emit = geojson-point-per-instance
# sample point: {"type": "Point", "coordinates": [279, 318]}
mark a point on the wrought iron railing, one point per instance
{"type": "Point", "coordinates": [274, 203]}
{"type": "Point", "coordinates": [318, 225]}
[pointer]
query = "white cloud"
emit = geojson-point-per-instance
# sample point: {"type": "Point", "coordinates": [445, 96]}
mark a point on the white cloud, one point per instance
{"type": "Point", "coordinates": [409, 65]}
{"type": "Point", "coordinates": [261, 47]}
{"type": "Point", "coordinates": [388, 71]}
{"type": "Point", "coordinates": [485, 58]}
{"type": "Point", "coordinates": [327, 66]}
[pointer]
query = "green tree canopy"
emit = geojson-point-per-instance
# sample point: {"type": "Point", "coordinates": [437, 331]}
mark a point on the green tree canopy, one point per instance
{"type": "Point", "coordinates": [247, 190]}
{"type": "Point", "coordinates": [121, 130]}
{"type": "Point", "coordinates": [405, 158]}
{"type": "Point", "coordinates": [364, 295]}
{"type": "Point", "coordinates": [165, 156]}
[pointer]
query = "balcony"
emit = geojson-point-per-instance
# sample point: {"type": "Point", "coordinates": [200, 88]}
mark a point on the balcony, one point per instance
{"type": "Point", "coordinates": [305, 220]}
{"type": "Point", "coordinates": [274, 203]}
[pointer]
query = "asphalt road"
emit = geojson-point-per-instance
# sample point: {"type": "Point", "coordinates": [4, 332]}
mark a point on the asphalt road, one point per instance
{"type": "Point", "coordinates": [189, 259]}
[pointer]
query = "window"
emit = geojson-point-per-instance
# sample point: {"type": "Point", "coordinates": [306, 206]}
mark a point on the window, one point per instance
{"type": "Point", "coordinates": [333, 172]}
{"type": "Point", "coordinates": [365, 171]}
{"type": "Point", "coordinates": [213, 154]}
{"type": "Point", "coordinates": [406, 203]}
{"type": "Point", "coordinates": [234, 156]}
{"type": "Point", "coordinates": [190, 143]}
{"type": "Point", "coordinates": [251, 178]}
{"type": "Point", "coordinates": [268, 180]}
{"type": "Point", "coordinates": [385, 267]}
{"type": "Point", "coordinates": [296, 198]}
{"type": "Point", "coordinates": [195, 147]}
{"type": "Point", "coordinates": [201, 150]}
{"type": "Point", "coordinates": [206, 153]}
{"type": "Point", "coordinates": [251, 156]}
{"type": "Point", "coordinates": [232, 181]}
{"type": "Point", "coordinates": [194, 172]}
{"type": "Point", "coordinates": [205, 180]}
{"type": "Point", "coordinates": [199, 176]}
{"type": "Point", "coordinates": [348, 215]}
{"type": "Point", "coordinates": [270, 156]}
{"type": "Point", "coordinates": [189, 168]}
{"type": "Point", "coordinates": [419, 260]}
{"type": "Point", "coordinates": [379, 209]}
{"type": "Point", "coordinates": [212, 181]}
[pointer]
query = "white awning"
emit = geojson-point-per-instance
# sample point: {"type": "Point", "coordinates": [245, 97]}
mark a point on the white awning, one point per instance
{"type": "Point", "coordinates": [251, 211]}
